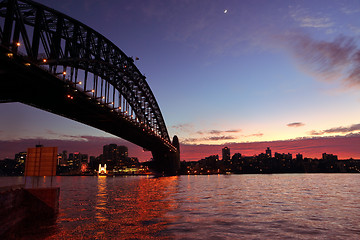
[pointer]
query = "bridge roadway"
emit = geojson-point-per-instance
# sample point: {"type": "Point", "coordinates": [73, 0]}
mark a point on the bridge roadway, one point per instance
{"type": "Point", "coordinates": [118, 100]}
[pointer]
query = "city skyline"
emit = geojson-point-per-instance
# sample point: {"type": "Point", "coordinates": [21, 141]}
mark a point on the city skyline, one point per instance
{"type": "Point", "coordinates": [258, 73]}
{"type": "Point", "coordinates": [245, 149]}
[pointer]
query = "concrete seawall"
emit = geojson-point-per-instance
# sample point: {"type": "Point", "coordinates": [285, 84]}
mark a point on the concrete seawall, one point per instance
{"type": "Point", "coordinates": [19, 205]}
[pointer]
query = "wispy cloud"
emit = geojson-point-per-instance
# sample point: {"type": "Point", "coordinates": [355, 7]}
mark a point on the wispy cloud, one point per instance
{"type": "Point", "coordinates": [349, 11]}
{"type": "Point", "coordinates": [207, 139]}
{"type": "Point", "coordinates": [254, 135]}
{"type": "Point", "coordinates": [315, 22]}
{"type": "Point", "coordinates": [296, 124]}
{"type": "Point", "coordinates": [216, 132]}
{"type": "Point", "coordinates": [306, 19]}
{"type": "Point", "coordinates": [55, 135]}
{"type": "Point", "coordinates": [183, 127]}
{"type": "Point", "coordinates": [336, 60]}
{"type": "Point", "coordinates": [233, 131]}
{"type": "Point", "coordinates": [221, 138]}
{"type": "Point", "coordinates": [342, 130]}
{"type": "Point", "coordinates": [355, 29]}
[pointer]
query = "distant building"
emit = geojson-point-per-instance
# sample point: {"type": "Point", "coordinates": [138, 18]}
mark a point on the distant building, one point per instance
{"type": "Point", "coordinates": [110, 152]}
{"type": "Point", "coordinates": [64, 159]}
{"type": "Point", "coordinates": [75, 159]}
{"type": "Point", "coordinates": [236, 156]}
{"type": "Point", "coordinates": [123, 152]}
{"type": "Point", "coordinates": [268, 152]}
{"type": "Point", "coordinates": [114, 155]}
{"type": "Point", "coordinates": [20, 157]}
{"type": "Point", "coordinates": [329, 157]}
{"type": "Point", "coordinates": [226, 154]}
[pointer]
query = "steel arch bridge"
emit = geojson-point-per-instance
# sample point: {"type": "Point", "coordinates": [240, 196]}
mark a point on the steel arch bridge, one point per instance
{"type": "Point", "coordinates": [54, 62]}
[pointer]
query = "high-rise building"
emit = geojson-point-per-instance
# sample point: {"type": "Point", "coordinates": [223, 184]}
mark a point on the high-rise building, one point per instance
{"type": "Point", "coordinates": [115, 155]}
{"type": "Point", "coordinates": [226, 154]}
{"type": "Point", "coordinates": [268, 152]}
{"type": "Point", "coordinates": [123, 152]}
{"type": "Point", "coordinates": [74, 160]}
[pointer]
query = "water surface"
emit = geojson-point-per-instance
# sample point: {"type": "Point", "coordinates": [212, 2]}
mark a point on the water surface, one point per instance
{"type": "Point", "coordinates": [278, 206]}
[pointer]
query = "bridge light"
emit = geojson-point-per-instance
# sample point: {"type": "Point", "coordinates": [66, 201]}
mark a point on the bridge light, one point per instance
{"type": "Point", "coordinates": [119, 108]}
{"type": "Point", "coordinates": [80, 83]}
{"type": "Point", "coordinates": [64, 73]}
{"type": "Point", "coordinates": [10, 55]}
{"type": "Point", "coordinates": [103, 97]}
{"type": "Point", "coordinates": [44, 60]}
{"type": "Point", "coordinates": [92, 90]}
{"type": "Point", "coordinates": [18, 44]}
{"type": "Point", "coordinates": [27, 64]}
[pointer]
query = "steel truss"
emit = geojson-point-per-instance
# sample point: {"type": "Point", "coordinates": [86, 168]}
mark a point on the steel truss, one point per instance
{"type": "Point", "coordinates": [80, 55]}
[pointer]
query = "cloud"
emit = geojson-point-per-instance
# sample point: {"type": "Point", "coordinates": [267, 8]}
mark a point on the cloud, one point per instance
{"type": "Point", "coordinates": [183, 127]}
{"type": "Point", "coordinates": [255, 135]}
{"type": "Point", "coordinates": [216, 132]}
{"type": "Point", "coordinates": [233, 131]}
{"type": "Point", "coordinates": [355, 29]}
{"type": "Point", "coordinates": [221, 138]}
{"type": "Point", "coordinates": [350, 129]}
{"type": "Point", "coordinates": [349, 11]}
{"type": "Point", "coordinates": [295, 124]}
{"type": "Point", "coordinates": [304, 19]}
{"type": "Point", "coordinates": [315, 133]}
{"type": "Point", "coordinates": [205, 139]}
{"type": "Point", "coordinates": [315, 22]}
{"type": "Point", "coordinates": [55, 135]}
{"type": "Point", "coordinates": [336, 60]}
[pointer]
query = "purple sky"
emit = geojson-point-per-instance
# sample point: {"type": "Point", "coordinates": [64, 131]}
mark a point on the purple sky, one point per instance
{"type": "Point", "coordinates": [263, 71]}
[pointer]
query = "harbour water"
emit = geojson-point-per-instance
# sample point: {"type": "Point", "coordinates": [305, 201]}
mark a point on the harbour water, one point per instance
{"type": "Point", "coordinates": [278, 206]}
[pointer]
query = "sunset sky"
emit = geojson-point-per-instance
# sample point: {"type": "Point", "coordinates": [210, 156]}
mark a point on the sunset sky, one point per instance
{"type": "Point", "coordinates": [223, 73]}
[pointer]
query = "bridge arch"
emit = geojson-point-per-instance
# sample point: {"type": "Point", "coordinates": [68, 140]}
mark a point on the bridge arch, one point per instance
{"type": "Point", "coordinates": [38, 42]}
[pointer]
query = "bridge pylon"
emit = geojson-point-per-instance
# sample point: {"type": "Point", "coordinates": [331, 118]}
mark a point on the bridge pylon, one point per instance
{"type": "Point", "coordinates": [167, 162]}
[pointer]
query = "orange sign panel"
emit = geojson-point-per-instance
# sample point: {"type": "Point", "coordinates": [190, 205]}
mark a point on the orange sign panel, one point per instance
{"type": "Point", "coordinates": [41, 161]}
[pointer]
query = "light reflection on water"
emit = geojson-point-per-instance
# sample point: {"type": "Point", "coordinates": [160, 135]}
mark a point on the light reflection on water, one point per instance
{"type": "Point", "coordinates": [278, 206]}
{"type": "Point", "coordinates": [120, 208]}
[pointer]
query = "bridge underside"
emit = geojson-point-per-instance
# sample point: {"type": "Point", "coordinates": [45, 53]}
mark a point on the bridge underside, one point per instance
{"type": "Point", "coordinates": [29, 84]}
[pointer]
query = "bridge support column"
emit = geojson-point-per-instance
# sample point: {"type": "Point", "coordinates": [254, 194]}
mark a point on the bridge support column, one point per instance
{"type": "Point", "coordinates": [167, 162]}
